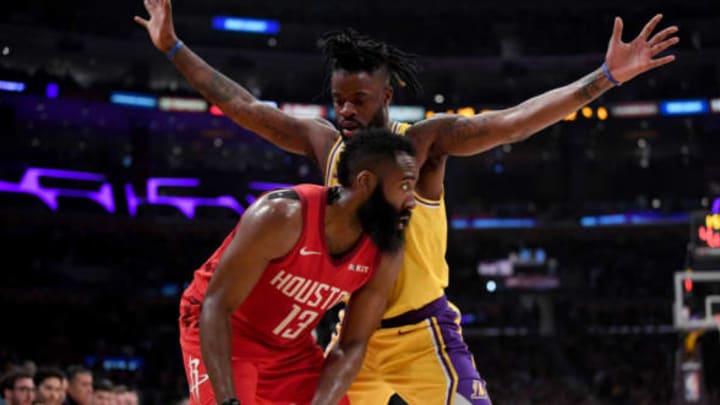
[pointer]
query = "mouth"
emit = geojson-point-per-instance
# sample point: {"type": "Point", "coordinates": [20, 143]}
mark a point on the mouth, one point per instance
{"type": "Point", "coordinates": [349, 128]}
{"type": "Point", "coordinates": [348, 133]}
{"type": "Point", "coordinates": [403, 221]}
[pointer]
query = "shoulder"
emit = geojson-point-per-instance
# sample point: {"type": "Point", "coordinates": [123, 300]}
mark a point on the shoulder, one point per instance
{"type": "Point", "coordinates": [324, 141]}
{"type": "Point", "coordinates": [281, 209]}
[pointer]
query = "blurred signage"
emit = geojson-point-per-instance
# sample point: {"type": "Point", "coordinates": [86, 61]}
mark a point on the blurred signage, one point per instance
{"type": "Point", "coordinates": [406, 113]}
{"type": "Point", "coordinates": [709, 232]}
{"type": "Point", "coordinates": [715, 105]}
{"type": "Point", "coordinates": [96, 187]}
{"type": "Point", "coordinates": [632, 110]}
{"type": "Point", "coordinates": [133, 99]}
{"type": "Point", "coordinates": [684, 107]}
{"type": "Point", "coordinates": [182, 104]}
{"type": "Point", "coordinates": [243, 24]}
{"type": "Point", "coordinates": [305, 110]}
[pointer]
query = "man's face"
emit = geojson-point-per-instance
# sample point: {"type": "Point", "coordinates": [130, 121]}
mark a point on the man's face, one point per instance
{"type": "Point", "coordinates": [81, 388]}
{"type": "Point", "coordinates": [131, 398]}
{"type": "Point", "coordinates": [103, 398]}
{"type": "Point", "coordinates": [51, 391]}
{"type": "Point", "coordinates": [385, 215]}
{"type": "Point", "coordinates": [360, 100]}
{"type": "Point", "coordinates": [22, 393]}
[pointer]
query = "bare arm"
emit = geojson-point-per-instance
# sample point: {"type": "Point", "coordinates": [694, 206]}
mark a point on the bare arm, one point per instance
{"type": "Point", "coordinates": [363, 316]}
{"type": "Point", "coordinates": [463, 136]}
{"type": "Point", "coordinates": [302, 136]}
{"type": "Point", "coordinates": [269, 229]}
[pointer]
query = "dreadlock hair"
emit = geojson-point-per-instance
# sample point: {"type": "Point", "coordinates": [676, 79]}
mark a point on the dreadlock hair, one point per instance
{"type": "Point", "coordinates": [348, 50]}
{"type": "Point", "coordinates": [368, 149]}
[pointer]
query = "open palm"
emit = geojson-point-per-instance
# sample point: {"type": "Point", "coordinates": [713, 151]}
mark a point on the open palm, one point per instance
{"type": "Point", "coordinates": [160, 25]}
{"type": "Point", "coordinates": [625, 60]}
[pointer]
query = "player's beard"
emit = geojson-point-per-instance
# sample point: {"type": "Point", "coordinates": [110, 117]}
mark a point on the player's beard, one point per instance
{"type": "Point", "coordinates": [381, 221]}
{"type": "Point", "coordinates": [378, 119]}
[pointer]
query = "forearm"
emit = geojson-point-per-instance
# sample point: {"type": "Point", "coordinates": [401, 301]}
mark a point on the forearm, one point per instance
{"type": "Point", "coordinates": [460, 136]}
{"type": "Point", "coordinates": [213, 85]}
{"type": "Point", "coordinates": [339, 371]}
{"type": "Point", "coordinates": [216, 347]}
{"type": "Point", "coordinates": [548, 108]}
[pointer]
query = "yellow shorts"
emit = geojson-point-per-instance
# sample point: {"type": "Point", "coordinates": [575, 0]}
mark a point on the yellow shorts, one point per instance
{"type": "Point", "coordinates": [426, 362]}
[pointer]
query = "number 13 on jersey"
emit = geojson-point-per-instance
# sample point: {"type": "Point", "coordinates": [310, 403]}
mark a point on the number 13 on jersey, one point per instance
{"type": "Point", "coordinates": [295, 322]}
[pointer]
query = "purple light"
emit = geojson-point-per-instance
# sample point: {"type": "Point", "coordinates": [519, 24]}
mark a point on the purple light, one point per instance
{"type": "Point", "coordinates": [52, 90]}
{"type": "Point", "coordinates": [186, 205]}
{"type": "Point", "coordinates": [17, 87]}
{"type": "Point", "coordinates": [30, 184]}
{"type": "Point", "coordinates": [267, 186]}
{"type": "Point", "coordinates": [132, 199]}
{"type": "Point", "coordinates": [716, 206]}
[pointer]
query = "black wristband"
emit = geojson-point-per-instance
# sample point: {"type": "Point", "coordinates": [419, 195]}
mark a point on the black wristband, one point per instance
{"type": "Point", "coordinates": [231, 401]}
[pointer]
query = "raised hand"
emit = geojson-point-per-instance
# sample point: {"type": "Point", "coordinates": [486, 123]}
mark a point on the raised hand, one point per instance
{"type": "Point", "coordinates": [625, 60]}
{"type": "Point", "coordinates": [160, 25]}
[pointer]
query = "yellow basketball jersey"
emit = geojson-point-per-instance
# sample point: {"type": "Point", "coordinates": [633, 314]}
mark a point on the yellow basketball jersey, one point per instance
{"type": "Point", "coordinates": [424, 275]}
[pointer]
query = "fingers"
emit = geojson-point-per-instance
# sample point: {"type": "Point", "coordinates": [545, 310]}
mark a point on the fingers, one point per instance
{"type": "Point", "coordinates": [662, 61]}
{"type": "Point", "coordinates": [141, 21]}
{"type": "Point", "coordinates": [650, 26]}
{"type": "Point", "coordinates": [660, 36]}
{"type": "Point", "coordinates": [617, 30]}
{"type": "Point", "coordinates": [656, 49]}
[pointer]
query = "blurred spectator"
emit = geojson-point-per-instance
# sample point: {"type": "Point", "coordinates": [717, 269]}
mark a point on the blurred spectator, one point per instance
{"type": "Point", "coordinates": [50, 386]}
{"type": "Point", "coordinates": [103, 393]}
{"type": "Point", "coordinates": [80, 386]}
{"type": "Point", "coordinates": [126, 396]}
{"type": "Point", "coordinates": [18, 387]}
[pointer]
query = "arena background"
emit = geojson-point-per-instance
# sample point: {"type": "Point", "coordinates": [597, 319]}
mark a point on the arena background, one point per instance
{"type": "Point", "coordinates": [562, 248]}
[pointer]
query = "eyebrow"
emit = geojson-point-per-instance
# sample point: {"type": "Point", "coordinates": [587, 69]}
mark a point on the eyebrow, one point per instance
{"type": "Point", "coordinates": [357, 93]}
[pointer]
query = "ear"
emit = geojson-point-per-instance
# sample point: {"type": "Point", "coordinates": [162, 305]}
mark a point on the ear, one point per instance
{"type": "Point", "coordinates": [388, 95]}
{"type": "Point", "coordinates": [365, 182]}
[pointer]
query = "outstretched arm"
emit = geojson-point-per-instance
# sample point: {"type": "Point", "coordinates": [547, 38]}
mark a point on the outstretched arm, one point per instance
{"type": "Point", "coordinates": [301, 136]}
{"type": "Point", "coordinates": [463, 136]}
{"type": "Point", "coordinates": [362, 318]}
{"type": "Point", "coordinates": [268, 230]}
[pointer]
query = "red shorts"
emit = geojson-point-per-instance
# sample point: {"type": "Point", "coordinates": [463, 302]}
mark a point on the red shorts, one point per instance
{"type": "Point", "coordinates": [262, 375]}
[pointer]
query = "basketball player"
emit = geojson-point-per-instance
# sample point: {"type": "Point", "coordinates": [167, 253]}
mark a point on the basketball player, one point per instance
{"type": "Point", "coordinates": [418, 352]}
{"type": "Point", "coordinates": [247, 318]}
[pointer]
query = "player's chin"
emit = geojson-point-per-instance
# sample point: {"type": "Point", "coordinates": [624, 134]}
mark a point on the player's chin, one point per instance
{"type": "Point", "coordinates": [348, 133]}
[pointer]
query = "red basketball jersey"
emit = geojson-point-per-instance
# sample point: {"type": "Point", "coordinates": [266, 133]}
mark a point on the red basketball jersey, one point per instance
{"type": "Point", "coordinates": [294, 292]}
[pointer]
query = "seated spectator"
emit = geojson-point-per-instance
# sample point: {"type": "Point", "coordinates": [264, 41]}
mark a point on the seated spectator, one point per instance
{"type": "Point", "coordinates": [18, 387]}
{"type": "Point", "coordinates": [80, 386]}
{"type": "Point", "coordinates": [103, 393]}
{"type": "Point", "coordinates": [50, 387]}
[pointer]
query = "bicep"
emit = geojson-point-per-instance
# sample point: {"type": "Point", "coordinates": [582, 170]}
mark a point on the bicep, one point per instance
{"type": "Point", "coordinates": [260, 238]}
{"type": "Point", "coordinates": [457, 135]}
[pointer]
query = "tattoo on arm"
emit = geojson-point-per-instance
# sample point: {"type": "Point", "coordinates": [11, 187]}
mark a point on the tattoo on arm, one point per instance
{"type": "Point", "coordinates": [590, 87]}
{"type": "Point", "coordinates": [220, 89]}
{"type": "Point", "coordinates": [289, 194]}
